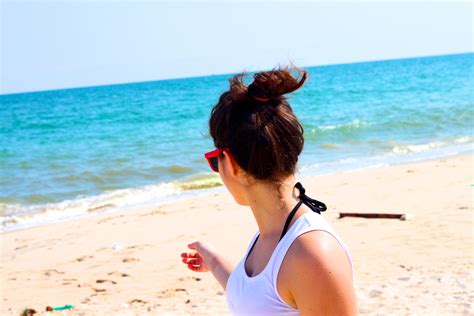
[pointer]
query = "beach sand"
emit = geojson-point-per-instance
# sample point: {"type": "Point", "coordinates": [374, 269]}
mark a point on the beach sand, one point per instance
{"type": "Point", "coordinates": [421, 266]}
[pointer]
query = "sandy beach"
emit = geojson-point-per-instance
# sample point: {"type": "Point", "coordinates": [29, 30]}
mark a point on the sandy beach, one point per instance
{"type": "Point", "coordinates": [128, 263]}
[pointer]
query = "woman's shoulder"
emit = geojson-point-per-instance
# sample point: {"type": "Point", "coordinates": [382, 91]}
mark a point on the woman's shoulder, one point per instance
{"type": "Point", "coordinates": [320, 247]}
{"type": "Point", "coordinates": [318, 271]}
{"type": "Point", "coordinates": [313, 238]}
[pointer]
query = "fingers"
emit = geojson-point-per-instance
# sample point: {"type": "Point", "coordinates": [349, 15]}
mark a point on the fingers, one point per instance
{"type": "Point", "coordinates": [190, 260]}
{"type": "Point", "coordinates": [189, 255]}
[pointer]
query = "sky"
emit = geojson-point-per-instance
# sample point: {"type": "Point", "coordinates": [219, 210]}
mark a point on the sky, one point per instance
{"type": "Point", "coordinates": [49, 45]}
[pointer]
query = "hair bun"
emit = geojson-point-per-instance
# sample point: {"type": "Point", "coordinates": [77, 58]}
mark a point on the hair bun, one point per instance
{"type": "Point", "coordinates": [275, 83]}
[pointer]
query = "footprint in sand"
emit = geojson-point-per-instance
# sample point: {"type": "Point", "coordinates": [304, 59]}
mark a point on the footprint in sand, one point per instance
{"type": "Point", "coordinates": [130, 259]}
{"type": "Point", "coordinates": [165, 294]}
{"type": "Point", "coordinates": [406, 267]}
{"type": "Point", "coordinates": [88, 299]}
{"type": "Point", "coordinates": [69, 280]}
{"type": "Point", "coordinates": [121, 274]}
{"type": "Point", "coordinates": [105, 281]}
{"type": "Point", "coordinates": [375, 293]}
{"type": "Point", "coordinates": [139, 246]}
{"type": "Point", "coordinates": [172, 293]}
{"type": "Point", "coordinates": [80, 259]}
{"type": "Point", "coordinates": [52, 271]}
{"type": "Point", "coordinates": [180, 290]}
{"type": "Point", "coordinates": [195, 279]}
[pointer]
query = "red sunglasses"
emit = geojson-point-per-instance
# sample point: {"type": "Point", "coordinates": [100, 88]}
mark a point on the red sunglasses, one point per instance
{"type": "Point", "coordinates": [212, 159]}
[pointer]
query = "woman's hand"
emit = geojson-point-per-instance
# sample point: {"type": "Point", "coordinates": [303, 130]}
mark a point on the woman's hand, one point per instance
{"type": "Point", "coordinates": [205, 258]}
{"type": "Point", "coordinates": [201, 259]}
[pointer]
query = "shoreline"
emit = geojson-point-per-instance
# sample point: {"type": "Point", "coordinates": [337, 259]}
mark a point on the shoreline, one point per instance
{"type": "Point", "coordinates": [190, 194]}
{"type": "Point", "coordinates": [124, 263]}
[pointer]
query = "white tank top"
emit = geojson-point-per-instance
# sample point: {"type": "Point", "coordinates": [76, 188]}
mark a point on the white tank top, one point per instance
{"type": "Point", "coordinates": [258, 295]}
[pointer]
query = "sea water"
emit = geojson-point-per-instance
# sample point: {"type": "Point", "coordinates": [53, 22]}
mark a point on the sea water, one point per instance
{"type": "Point", "coordinates": [71, 152]}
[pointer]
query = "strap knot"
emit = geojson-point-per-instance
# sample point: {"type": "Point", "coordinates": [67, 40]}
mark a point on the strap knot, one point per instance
{"type": "Point", "coordinates": [300, 188]}
{"type": "Point", "coordinates": [314, 205]}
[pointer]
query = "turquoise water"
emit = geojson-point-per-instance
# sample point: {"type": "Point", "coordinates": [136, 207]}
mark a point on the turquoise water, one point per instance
{"type": "Point", "coordinates": [68, 152]}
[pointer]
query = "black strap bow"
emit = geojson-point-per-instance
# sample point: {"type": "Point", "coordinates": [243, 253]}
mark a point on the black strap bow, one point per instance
{"type": "Point", "coordinates": [315, 205]}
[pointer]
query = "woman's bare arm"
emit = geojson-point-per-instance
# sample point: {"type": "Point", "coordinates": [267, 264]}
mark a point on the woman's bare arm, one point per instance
{"type": "Point", "coordinates": [205, 259]}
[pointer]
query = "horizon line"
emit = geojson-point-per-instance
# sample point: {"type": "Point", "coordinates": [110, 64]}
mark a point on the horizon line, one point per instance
{"type": "Point", "coordinates": [230, 73]}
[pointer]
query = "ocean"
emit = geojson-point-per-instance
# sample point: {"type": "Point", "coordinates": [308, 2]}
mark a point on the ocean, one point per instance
{"type": "Point", "coordinates": [73, 152]}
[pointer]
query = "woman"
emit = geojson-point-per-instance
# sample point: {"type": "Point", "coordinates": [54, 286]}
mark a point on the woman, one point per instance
{"type": "Point", "coordinates": [295, 264]}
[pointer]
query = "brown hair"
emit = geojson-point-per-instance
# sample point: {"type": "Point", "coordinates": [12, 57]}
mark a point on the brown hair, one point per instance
{"type": "Point", "coordinates": [258, 125]}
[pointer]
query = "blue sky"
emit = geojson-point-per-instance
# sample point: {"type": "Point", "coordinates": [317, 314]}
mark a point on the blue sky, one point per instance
{"type": "Point", "coordinates": [52, 44]}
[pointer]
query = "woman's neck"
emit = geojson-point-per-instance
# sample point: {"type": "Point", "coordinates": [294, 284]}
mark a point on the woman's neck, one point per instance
{"type": "Point", "coordinates": [271, 210]}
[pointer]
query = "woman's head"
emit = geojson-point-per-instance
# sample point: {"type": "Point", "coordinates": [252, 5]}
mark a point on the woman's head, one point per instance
{"type": "Point", "coordinates": [257, 125]}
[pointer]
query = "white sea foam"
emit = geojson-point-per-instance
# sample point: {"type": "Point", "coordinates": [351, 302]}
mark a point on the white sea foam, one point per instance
{"type": "Point", "coordinates": [16, 216]}
{"type": "Point", "coordinates": [398, 154]}
{"type": "Point", "coordinates": [352, 124]}
{"type": "Point", "coordinates": [465, 139]}
{"type": "Point", "coordinates": [416, 148]}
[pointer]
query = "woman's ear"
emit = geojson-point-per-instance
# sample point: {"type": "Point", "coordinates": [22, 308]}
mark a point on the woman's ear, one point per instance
{"type": "Point", "coordinates": [230, 163]}
{"type": "Point", "coordinates": [233, 168]}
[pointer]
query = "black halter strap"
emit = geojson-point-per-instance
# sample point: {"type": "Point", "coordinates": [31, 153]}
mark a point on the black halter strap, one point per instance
{"type": "Point", "coordinates": [314, 205]}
